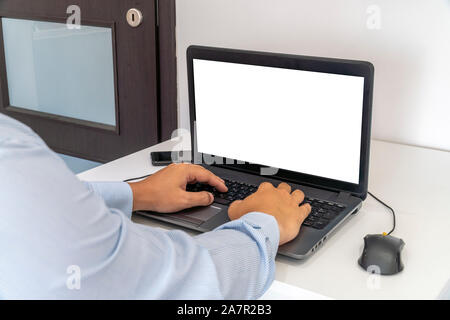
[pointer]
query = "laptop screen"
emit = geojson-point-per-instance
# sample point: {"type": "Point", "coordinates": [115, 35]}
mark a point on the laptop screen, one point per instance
{"type": "Point", "coordinates": [302, 121]}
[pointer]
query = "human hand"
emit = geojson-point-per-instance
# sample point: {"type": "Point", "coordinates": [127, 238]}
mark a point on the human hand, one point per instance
{"type": "Point", "coordinates": [277, 202]}
{"type": "Point", "coordinates": [165, 191]}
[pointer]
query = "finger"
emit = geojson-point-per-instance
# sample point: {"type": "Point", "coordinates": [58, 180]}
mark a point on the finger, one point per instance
{"type": "Point", "coordinates": [298, 196]}
{"type": "Point", "coordinates": [234, 210]}
{"type": "Point", "coordinates": [304, 211]}
{"type": "Point", "coordinates": [195, 199]}
{"type": "Point", "coordinates": [285, 186]}
{"type": "Point", "coordinates": [199, 174]}
{"type": "Point", "coordinates": [265, 185]}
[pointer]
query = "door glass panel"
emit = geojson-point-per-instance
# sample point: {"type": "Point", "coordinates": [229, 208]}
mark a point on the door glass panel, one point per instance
{"type": "Point", "coordinates": [78, 165]}
{"type": "Point", "coordinates": [61, 71]}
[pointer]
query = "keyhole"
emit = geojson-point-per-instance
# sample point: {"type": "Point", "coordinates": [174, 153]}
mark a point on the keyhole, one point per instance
{"type": "Point", "coordinates": [134, 17]}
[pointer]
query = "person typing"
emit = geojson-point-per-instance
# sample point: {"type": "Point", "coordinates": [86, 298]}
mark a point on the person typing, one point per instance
{"type": "Point", "coordinates": [50, 221]}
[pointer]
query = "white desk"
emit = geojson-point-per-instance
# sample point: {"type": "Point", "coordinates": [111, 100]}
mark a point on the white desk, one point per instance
{"type": "Point", "coordinates": [414, 181]}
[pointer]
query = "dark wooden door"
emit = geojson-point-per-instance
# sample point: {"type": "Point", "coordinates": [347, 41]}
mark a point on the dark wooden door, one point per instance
{"type": "Point", "coordinates": [137, 119]}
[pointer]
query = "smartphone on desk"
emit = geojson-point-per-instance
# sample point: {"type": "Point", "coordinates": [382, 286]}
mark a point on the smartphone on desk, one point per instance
{"type": "Point", "coordinates": [164, 158]}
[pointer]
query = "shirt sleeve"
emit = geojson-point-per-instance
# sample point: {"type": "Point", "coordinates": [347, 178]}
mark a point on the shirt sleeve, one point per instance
{"type": "Point", "coordinates": [117, 195]}
{"type": "Point", "coordinates": [64, 239]}
{"type": "Point", "coordinates": [243, 251]}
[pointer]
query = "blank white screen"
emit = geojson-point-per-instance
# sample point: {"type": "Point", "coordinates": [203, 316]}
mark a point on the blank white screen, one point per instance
{"type": "Point", "coordinates": [302, 121]}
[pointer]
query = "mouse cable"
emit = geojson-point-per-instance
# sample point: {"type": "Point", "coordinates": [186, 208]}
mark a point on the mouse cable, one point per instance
{"type": "Point", "coordinates": [138, 178]}
{"type": "Point", "coordinates": [392, 210]}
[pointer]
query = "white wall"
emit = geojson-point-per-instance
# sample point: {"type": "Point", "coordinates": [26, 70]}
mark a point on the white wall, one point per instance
{"type": "Point", "coordinates": [410, 51]}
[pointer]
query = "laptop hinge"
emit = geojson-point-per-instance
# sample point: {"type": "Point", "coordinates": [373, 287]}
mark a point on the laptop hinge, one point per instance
{"type": "Point", "coordinates": [343, 196]}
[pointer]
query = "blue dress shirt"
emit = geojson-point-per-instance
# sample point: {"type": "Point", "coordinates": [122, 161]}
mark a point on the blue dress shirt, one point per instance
{"type": "Point", "coordinates": [61, 238]}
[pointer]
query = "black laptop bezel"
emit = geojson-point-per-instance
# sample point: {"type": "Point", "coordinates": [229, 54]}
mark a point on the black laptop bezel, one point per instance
{"type": "Point", "coordinates": [296, 62]}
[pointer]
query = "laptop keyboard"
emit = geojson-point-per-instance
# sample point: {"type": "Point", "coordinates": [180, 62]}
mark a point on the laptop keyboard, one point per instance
{"type": "Point", "coordinates": [322, 212]}
{"type": "Point", "coordinates": [236, 191]}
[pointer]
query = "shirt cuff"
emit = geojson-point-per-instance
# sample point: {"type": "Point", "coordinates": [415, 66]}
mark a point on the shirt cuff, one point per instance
{"type": "Point", "coordinates": [263, 230]}
{"type": "Point", "coordinates": [267, 225]}
{"type": "Point", "coordinates": [117, 195]}
{"type": "Point", "coordinates": [263, 225]}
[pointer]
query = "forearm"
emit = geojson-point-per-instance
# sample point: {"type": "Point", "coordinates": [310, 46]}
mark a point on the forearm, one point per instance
{"type": "Point", "coordinates": [117, 195]}
{"type": "Point", "coordinates": [236, 261]}
{"type": "Point", "coordinates": [243, 252]}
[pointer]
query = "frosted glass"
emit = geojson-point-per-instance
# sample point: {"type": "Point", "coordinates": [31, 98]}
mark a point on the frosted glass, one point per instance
{"type": "Point", "coordinates": [78, 165]}
{"type": "Point", "coordinates": [59, 71]}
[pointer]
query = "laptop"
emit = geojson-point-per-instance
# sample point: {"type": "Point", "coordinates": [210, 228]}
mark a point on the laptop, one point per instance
{"type": "Point", "coordinates": [258, 117]}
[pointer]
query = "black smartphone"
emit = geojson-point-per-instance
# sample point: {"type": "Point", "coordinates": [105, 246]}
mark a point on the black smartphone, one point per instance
{"type": "Point", "coordinates": [164, 158]}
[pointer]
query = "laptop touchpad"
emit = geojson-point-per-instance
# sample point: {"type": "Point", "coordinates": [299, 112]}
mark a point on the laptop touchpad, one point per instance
{"type": "Point", "coordinates": [198, 215]}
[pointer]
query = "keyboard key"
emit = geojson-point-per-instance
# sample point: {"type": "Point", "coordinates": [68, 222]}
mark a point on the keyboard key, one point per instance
{"type": "Point", "coordinates": [329, 215]}
{"type": "Point", "coordinates": [320, 224]}
{"type": "Point", "coordinates": [311, 218]}
{"type": "Point", "coordinates": [222, 201]}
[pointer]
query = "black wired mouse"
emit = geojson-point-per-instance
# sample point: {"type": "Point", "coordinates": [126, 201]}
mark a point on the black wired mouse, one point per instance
{"type": "Point", "coordinates": [382, 254]}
